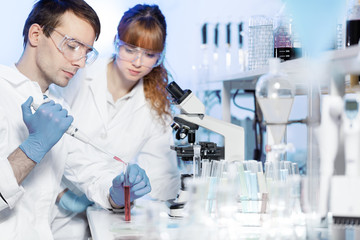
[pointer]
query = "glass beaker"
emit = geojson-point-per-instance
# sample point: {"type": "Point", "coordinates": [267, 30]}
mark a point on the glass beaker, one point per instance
{"type": "Point", "coordinates": [286, 45]}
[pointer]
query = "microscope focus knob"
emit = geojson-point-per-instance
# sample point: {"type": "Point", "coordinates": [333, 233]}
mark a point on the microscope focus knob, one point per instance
{"type": "Point", "coordinates": [182, 133]}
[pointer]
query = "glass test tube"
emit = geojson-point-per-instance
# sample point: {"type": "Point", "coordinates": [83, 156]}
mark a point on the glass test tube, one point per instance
{"type": "Point", "coordinates": [127, 195]}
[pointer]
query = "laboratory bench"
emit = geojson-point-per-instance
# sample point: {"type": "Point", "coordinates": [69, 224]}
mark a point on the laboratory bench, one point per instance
{"type": "Point", "coordinates": [145, 214]}
{"type": "Point", "coordinates": [154, 223]}
{"type": "Point", "coordinates": [107, 225]}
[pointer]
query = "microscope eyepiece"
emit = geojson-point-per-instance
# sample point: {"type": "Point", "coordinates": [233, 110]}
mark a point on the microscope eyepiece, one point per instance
{"type": "Point", "coordinates": [174, 89]}
{"type": "Point", "coordinates": [176, 92]}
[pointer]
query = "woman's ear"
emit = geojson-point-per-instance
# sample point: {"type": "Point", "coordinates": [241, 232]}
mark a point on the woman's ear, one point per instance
{"type": "Point", "coordinates": [35, 31]}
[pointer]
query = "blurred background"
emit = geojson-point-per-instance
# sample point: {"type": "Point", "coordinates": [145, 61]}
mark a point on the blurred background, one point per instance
{"type": "Point", "coordinates": [184, 50]}
{"type": "Point", "coordinates": [184, 19]}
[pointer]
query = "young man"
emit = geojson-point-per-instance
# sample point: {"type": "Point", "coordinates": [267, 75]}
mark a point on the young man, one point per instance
{"type": "Point", "coordinates": [58, 39]}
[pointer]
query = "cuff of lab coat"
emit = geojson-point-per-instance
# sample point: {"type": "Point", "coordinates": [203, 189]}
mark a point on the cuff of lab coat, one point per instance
{"type": "Point", "coordinates": [9, 188]}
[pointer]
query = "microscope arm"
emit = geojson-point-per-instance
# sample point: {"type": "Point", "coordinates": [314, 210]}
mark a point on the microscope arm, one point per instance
{"type": "Point", "coordinates": [233, 134]}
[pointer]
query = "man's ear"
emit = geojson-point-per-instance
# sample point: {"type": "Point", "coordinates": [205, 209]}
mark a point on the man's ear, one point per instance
{"type": "Point", "coordinates": [35, 32]}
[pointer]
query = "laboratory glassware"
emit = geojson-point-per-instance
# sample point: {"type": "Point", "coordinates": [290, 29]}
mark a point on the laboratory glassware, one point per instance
{"type": "Point", "coordinates": [261, 41]}
{"type": "Point", "coordinates": [127, 196]}
{"type": "Point", "coordinates": [353, 32]}
{"type": "Point", "coordinates": [275, 95]}
{"type": "Point", "coordinates": [286, 43]}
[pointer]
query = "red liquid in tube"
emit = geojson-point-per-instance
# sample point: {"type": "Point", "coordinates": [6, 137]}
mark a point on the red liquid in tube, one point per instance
{"type": "Point", "coordinates": [127, 203]}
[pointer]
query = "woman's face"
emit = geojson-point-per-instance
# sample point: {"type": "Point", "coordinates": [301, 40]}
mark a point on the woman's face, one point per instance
{"type": "Point", "coordinates": [135, 62]}
{"type": "Point", "coordinates": [132, 71]}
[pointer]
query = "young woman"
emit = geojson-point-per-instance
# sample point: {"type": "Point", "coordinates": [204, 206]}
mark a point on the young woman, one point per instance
{"type": "Point", "coordinates": [122, 103]}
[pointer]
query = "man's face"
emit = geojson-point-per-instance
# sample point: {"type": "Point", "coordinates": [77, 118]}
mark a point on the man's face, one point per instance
{"type": "Point", "coordinates": [53, 65]}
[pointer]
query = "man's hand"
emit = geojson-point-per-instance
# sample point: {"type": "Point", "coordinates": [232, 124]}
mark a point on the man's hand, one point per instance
{"type": "Point", "coordinates": [46, 126]}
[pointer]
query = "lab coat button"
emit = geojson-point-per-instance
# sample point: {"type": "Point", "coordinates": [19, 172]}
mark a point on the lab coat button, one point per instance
{"type": "Point", "coordinates": [103, 135]}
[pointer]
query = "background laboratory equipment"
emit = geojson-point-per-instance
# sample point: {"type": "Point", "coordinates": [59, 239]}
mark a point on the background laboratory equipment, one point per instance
{"type": "Point", "coordinates": [203, 66]}
{"type": "Point", "coordinates": [241, 51]}
{"type": "Point", "coordinates": [193, 111]}
{"type": "Point", "coordinates": [238, 52]}
{"type": "Point", "coordinates": [353, 31]}
{"type": "Point", "coordinates": [343, 201]}
{"type": "Point", "coordinates": [261, 41]}
{"type": "Point", "coordinates": [353, 23]}
{"type": "Point", "coordinates": [275, 95]}
{"type": "Point", "coordinates": [287, 45]}
{"type": "Point", "coordinates": [192, 117]}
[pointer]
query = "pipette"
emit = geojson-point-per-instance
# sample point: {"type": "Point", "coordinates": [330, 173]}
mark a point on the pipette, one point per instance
{"type": "Point", "coordinates": [76, 133]}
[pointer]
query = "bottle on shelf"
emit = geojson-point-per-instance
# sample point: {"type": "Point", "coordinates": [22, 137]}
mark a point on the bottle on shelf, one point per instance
{"type": "Point", "coordinates": [228, 62]}
{"type": "Point", "coordinates": [218, 67]}
{"type": "Point", "coordinates": [205, 55]}
{"type": "Point", "coordinates": [241, 52]}
{"type": "Point", "coordinates": [287, 45]}
{"type": "Point", "coordinates": [353, 32]}
{"type": "Point", "coordinates": [238, 54]}
{"type": "Point", "coordinates": [203, 67]}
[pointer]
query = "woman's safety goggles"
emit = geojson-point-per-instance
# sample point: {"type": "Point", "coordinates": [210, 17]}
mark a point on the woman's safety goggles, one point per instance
{"type": "Point", "coordinates": [131, 53]}
{"type": "Point", "coordinates": [74, 50]}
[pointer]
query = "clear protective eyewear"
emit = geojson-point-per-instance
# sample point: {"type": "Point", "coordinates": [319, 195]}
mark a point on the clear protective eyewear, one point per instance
{"type": "Point", "coordinates": [74, 50]}
{"type": "Point", "coordinates": [131, 53]}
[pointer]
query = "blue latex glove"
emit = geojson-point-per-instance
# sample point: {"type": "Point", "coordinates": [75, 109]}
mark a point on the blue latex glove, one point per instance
{"type": "Point", "coordinates": [73, 202]}
{"type": "Point", "coordinates": [138, 181]}
{"type": "Point", "coordinates": [46, 126]}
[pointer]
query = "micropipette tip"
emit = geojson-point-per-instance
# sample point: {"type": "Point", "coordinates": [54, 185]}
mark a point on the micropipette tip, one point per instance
{"type": "Point", "coordinates": [118, 159]}
{"type": "Point", "coordinates": [108, 153]}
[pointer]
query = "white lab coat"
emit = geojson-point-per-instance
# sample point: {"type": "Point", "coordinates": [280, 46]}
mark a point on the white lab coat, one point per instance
{"type": "Point", "coordinates": [28, 210]}
{"type": "Point", "coordinates": [134, 134]}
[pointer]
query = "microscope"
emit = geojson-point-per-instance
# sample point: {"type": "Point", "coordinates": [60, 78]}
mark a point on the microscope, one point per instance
{"type": "Point", "coordinates": [192, 116]}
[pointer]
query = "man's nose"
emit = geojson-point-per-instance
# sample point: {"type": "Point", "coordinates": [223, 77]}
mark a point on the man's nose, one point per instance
{"type": "Point", "coordinates": [80, 63]}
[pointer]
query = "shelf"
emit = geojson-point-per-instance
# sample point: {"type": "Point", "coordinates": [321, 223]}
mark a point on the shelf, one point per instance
{"type": "Point", "coordinates": [335, 64]}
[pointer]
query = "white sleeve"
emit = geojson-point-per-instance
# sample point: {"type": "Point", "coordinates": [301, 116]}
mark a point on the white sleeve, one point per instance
{"type": "Point", "coordinates": [10, 191]}
{"type": "Point", "coordinates": [91, 171]}
{"type": "Point", "coordinates": [160, 163]}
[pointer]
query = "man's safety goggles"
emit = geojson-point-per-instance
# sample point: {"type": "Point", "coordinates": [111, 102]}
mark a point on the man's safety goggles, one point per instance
{"type": "Point", "coordinates": [74, 50]}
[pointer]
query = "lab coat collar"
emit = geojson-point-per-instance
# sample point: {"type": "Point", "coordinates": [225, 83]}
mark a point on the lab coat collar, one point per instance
{"type": "Point", "coordinates": [96, 76]}
{"type": "Point", "coordinates": [138, 96]}
{"type": "Point", "coordinates": [12, 75]}
{"type": "Point", "coordinates": [25, 87]}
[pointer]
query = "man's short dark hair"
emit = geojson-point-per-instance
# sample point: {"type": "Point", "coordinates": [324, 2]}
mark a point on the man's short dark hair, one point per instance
{"type": "Point", "coordinates": [47, 14]}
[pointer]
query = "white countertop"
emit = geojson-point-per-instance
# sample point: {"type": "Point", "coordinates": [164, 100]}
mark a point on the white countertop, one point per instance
{"type": "Point", "coordinates": [150, 220]}
{"type": "Point", "coordinates": [146, 218]}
